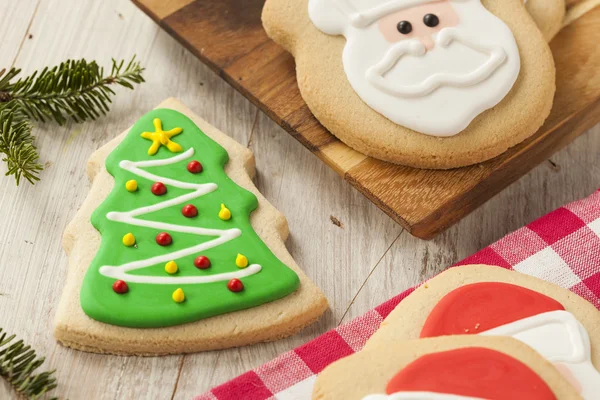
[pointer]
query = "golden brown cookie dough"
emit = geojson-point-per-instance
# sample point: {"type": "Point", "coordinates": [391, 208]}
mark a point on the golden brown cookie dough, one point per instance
{"type": "Point", "coordinates": [548, 15]}
{"type": "Point", "coordinates": [578, 9]}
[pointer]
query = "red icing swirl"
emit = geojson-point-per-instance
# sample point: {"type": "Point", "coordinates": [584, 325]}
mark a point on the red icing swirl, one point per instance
{"type": "Point", "coordinates": [478, 307]}
{"type": "Point", "coordinates": [471, 371]}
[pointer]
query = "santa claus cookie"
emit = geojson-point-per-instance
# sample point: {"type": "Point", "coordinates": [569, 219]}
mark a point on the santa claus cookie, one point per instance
{"type": "Point", "coordinates": [424, 83]}
{"type": "Point", "coordinates": [175, 250]}
{"type": "Point", "coordinates": [491, 301]}
{"type": "Point", "coordinates": [450, 368]}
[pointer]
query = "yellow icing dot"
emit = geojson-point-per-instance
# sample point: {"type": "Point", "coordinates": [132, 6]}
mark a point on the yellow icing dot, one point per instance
{"type": "Point", "coordinates": [171, 267]}
{"type": "Point", "coordinates": [224, 214]}
{"type": "Point", "coordinates": [178, 296]}
{"type": "Point", "coordinates": [241, 261]}
{"type": "Point", "coordinates": [131, 185]}
{"type": "Point", "coordinates": [129, 240]}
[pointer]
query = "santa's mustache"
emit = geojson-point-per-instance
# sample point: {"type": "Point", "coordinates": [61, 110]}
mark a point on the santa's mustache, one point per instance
{"type": "Point", "coordinates": [418, 47]}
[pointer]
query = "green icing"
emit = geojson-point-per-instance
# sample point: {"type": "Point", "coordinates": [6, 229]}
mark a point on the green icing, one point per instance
{"type": "Point", "coordinates": [149, 305]}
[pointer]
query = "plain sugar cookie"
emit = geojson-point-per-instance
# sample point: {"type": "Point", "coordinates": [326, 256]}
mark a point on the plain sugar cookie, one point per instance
{"type": "Point", "coordinates": [175, 250]}
{"type": "Point", "coordinates": [448, 368]}
{"type": "Point", "coordinates": [428, 84]}
{"type": "Point", "coordinates": [492, 301]}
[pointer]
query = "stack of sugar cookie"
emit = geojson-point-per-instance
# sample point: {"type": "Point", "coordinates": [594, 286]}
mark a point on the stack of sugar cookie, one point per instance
{"type": "Point", "coordinates": [424, 83]}
{"type": "Point", "coordinates": [476, 332]}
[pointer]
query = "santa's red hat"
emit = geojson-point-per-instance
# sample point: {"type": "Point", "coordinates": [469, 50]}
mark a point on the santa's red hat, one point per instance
{"type": "Point", "coordinates": [471, 371]}
{"type": "Point", "coordinates": [478, 307]}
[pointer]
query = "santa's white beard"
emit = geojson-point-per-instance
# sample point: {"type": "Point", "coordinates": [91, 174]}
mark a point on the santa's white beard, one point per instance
{"type": "Point", "coordinates": [434, 92]}
{"type": "Point", "coordinates": [407, 70]}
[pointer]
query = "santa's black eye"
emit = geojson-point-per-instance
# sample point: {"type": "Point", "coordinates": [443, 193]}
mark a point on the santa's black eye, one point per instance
{"type": "Point", "coordinates": [431, 20]}
{"type": "Point", "coordinates": [404, 27]}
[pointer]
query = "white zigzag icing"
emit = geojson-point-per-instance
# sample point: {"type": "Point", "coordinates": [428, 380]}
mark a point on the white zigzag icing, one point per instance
{"type": "Point", "coordinates": [130, 217]}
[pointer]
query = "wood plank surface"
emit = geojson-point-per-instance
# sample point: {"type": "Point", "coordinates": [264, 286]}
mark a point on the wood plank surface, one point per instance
{"type": "Point", "coordinates": [228, 37]}
{"type": "Point", "coordinates": [358, 264]}
{"type": "Point", "coordinates": [16, 17]}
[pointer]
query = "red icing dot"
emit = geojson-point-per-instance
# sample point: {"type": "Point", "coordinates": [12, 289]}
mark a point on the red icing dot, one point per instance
{"type": "Point", "coordinates": [235, 285]}
{"type": "Point", "coordinates": [194, 167]}
{"type": "Point", "coordinates": [159, 188]}
{"type": "Point", "coordinates": [202, 262]}
{"type": "Point", "coordinates": [120, 287]}
{"type": "Point", "coordinates": [164, 239]}
{"type": "Point", "coordinates": [189, 211]}
{"type": "Point", "coordinates": [471, 371]}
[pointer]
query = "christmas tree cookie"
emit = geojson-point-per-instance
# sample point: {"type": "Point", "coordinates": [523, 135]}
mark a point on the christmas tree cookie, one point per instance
{"type": "Point", "coordinates": [175, 250]}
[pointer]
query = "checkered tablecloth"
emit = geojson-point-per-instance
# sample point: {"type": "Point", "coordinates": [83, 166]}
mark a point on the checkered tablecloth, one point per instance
{"type": "Point", "coordinates": [562, 247]}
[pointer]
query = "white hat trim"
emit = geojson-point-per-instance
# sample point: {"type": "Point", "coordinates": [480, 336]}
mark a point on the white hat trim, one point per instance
{"type": "Point", "coordinates": [361, 19]}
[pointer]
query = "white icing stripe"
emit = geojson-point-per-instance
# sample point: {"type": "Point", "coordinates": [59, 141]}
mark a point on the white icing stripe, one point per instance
{"type": "Point", "coordinates": [560, 338]}
{"type": "Point", "coordinates": [376, 74]}
{"type": "Point", "coordinates": [129, 217]}
{"type": "Point", "coordinates": [250, 270]}
{"type": "Point", "coordinates": [418, 396]}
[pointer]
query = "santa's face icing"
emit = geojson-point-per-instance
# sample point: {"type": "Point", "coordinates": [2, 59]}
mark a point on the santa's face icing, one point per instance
{"type": "Point", "coordinates": [431, 66]}
{"type": "Point", "coordinates": [420, 22]}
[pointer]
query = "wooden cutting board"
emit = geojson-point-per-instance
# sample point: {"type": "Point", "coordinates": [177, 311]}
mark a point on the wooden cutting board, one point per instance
{"type": "Point", "coordinates": [227, 35]}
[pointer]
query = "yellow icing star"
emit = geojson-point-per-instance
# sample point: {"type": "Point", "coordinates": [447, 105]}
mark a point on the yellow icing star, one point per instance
{"type": "Point", "coordinates": [159, 137]}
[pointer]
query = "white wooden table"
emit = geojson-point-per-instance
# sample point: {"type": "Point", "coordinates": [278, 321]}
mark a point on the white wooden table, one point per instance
{"type": "Point", "coordinates": [359, 264]}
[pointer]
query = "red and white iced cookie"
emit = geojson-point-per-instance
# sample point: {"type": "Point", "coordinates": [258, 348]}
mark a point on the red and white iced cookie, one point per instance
{"type": "Point", "coordinates": [491, 301]}
{"type": "Point", "coordinates": [466, 367]}
{"type": "Point", "coordinates": [466, 373]}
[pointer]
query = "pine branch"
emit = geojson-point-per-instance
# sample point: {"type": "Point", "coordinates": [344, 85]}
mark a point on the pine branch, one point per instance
{"type": "Point", "coordinates": [16, 143]}
{"type": "Point", "coordinates": [17, 364]}
{"type": "Point", "coordinates": [74, 89]}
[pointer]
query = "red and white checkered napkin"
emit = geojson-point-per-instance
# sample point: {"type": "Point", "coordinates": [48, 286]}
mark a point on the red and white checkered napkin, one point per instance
{"type": "Point", "coordinates": [562, 247]}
